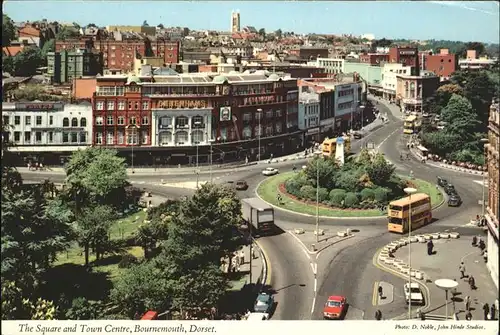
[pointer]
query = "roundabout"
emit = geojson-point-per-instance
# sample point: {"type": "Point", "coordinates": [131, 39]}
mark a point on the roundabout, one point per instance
{"type": "Point", "coordinates": [269, 189]}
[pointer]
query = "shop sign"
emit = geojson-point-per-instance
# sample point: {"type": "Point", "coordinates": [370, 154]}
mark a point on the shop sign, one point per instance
{"type": "Point", "coordinates": [35, 106]}
{"type": "Point", "coordinates": [263, 99]}
{"type": "Point", "coordinates": [186, 104]}
{"type": "Point", "coordinates": [225, 114]}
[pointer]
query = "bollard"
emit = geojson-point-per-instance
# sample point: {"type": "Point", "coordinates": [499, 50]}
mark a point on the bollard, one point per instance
{"type": "Point", "coordinates": [313, 247]}
{"type": "Point", "coordinates": [348, 231]}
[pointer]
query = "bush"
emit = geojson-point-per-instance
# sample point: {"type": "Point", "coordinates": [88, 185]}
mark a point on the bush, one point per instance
{"type": "Point", "coordinates": [351, 200]}
{"type": "Point", "coordinates": [367, 194]}
{"type": "Point", "coordinates": [127, 260]}
{"type": "Point", "coordinates": [349, 180]}
{"type": "Point", "coordinates": [323, 194]}
{"type": "Point", "coordinates": [294, 184]}
{"type": "Point", "coordinates": [308, 192]}
{"type": "Point", "coordinates": [381, 194]}
{"type": "Point", "coordinates": [337, 197]}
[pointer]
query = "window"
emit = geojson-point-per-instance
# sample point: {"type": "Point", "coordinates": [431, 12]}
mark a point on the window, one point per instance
{"type": "Point", "coordinates": [74, 122]}
{"type": "Point", "coordinates": [17, 120]}
{"type": "Point", "coordinates": [99, 105]}
{"type": "Point", "coordinates": [111, 105]}
{"type": "Point", "coordinates": [17, 136]}
{"type": "Point", "coordinates": [5, 119]}
{"type": "Point", "coordinates": [197, 121]}
{"type": "Point", "coordinates": [83, 137]}
{"type": "Point", "coordinates": [98, 138]}
{"type": "Point", "coordinates": [27, 120]}
{"type": "Point", "coordinates": [109, 120]}
{"type": "Point", "coordinates": [269, 114]}
{"type": "Point", "coordinates": [120, 137]}
{"type": "Point", "coordinates": [181, 122]}
{"type": "Point", "coordinates": [74, 137]}
{"type": "Point", "coordinates": [278, 113]}
{"type": "Point", "coordinates": [145, 105]}
{"type": "Point", "coordinates": [278, 128]}
{"type": "Point", "coordinates": [145, 120]}
{"type": "Point", "coordinates": [136, 105]}
{"type": "Point", "coordinates": [197, 136]}
{"type": "Point", "coordinates": [110, 138]}
{"type": "Point", "coordinates": [132, 120]}
{"type": "Point", "coordinates": [38, 120]}
{"type": "Point", "coordinates": [144, 137]}
{"type": "Point", "coordinates": [132, 137]}
{"type": "Point", "coordinates": [27, 137]}
{"type": "Point", "coordinates": [165, 137]}
{"type": "Point", "coordinates": [51, 120]}
{"type": "Point", "coordinates": [121, 121]}
{"type": "Point", "coordinates": [269, 130]}
{"type": "Point", "coordinates": [181, 137]}
{"type": "Point", "coordinates": [66, 122]}
{"type": "Point", "coordinates": [65, 137]}
{"type": "Point", "coordinates": [50, 137]}
{"type": "Point", "coordinates": [83, 122]}
{"type": "Point", "coordinates": [99, 120]}
{"type": "Point", "coordinates": [121, 105]}
{"type": "Point", "coordinates": [165, 121]}
{"type": "Point", "coordinates": [258, 130]}
{"type": "Point", "coordinates": [38, 137]}
{"type": "Point", "coordinates": [247, 117]}
{"type": "Point", "coordinates": [247, 132]}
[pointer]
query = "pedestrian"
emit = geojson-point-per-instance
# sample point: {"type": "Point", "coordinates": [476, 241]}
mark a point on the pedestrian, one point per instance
{"type": "Point", "coordinates": [242, 257]}
{"type": "Point", "coordinates": [467, 303]}
{"type": "Point", "coordinates": [482, 245]}
{"type": "Point", "coordinates": [486, 310]}
{"type": "Point", "coordinates": [468, 316]}
{"type": "Point", "coordinates": [485, 256]}
{"type": "Point", "coordinates": [430, 247]}
{"type": "Point", "coordinates": [253, 253]}
{"type": "Point", "coordinates": [472, 282]}
{"type": "Point", "coordinates": [493, 311]}
{"type": "Point", "coordinates": [380, 292]}
{"type": "Point", "coordinates": [461, 268]}
{"type": "Point", "coordinates": [378, 315]}
{"type": "Point", "coordinates": [474, 241]}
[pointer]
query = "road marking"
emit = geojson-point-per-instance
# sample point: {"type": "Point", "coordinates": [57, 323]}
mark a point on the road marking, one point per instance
{"type": "Point", "coordinates": [306, 253]}
{"type": "Point", "coordinates": [304, 248]}
{"type": "Point", "coordinates": [315, 285]}
{"type": "Point", "coordinates": [312, 267]}
{"type": "Point", "coordinates": [469, 254]}
{"type": "Point", "coordinates": [375, 294]}
{"type": "Point", "coordinates": [314, 303]}
{"type": "Point", "coordinates": [385, 139]}
{"type": "Point", "coordinates": [268, 263]}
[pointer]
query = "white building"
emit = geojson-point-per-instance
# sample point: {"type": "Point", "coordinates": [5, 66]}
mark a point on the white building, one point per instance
{"type": "Point", "coordinates": [331, 65]}
{"type": "Point", "coordinates": [390, 71]}
{"type": "Point", "coordinates": [309, 113]}
{"type": "Point", "coordinates": [347, 102]}
{"type": "Point", "coordinates": [48, 126]}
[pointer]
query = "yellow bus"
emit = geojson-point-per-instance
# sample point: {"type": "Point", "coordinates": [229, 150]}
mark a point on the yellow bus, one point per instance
{"type": "Point", "coordinates": [412, 124]}
{"type": "Point", "coordinates": [398, 213]}
{"type": "Point", "coordinates": [329, 146]}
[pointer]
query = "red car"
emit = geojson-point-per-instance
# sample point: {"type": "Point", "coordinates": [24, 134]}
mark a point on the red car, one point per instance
{"type": "Point", "coordinates": [335, 307]}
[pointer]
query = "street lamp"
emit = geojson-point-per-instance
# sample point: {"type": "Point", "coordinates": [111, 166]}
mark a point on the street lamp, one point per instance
{"type": "Point", "coordinates": [446, 285]}
{"type": "Point", "coordinates": [317, 180]}
{"type": "Point", "coordinates": [362, 108]}
{"type": "Point", "coordinates": [259, 111]}
{"type": "Point", "coordinates": [485, 141]}
{"type": "Point", "coordinates": [409, 191]}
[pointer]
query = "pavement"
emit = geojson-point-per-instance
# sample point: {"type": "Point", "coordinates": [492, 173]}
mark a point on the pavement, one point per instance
{"type": "Point", "coordinates": [444, 264]}
{"type": "Point", "coordinates": [258, 273]}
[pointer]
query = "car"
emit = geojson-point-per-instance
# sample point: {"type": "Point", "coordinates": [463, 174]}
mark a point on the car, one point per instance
{"type": "Point", "coordinates": [415, 294]}
{"type": "Point", "coordinates": [442, 182]}
{"type": "Point", "coordinates": [264, 303]}
{"type": "Point", "coordinates": [449, 189]}
{"type": "Point", "coordinates": [270, 171]}
{"type": "Point", "coordinates": [454, 200]}
{"type": "Point", "coordinates": [335, 307]}
{"type": "Point", "coordinates": [257, 317]}
{"type": "Point", "coordinates": [241, 185]}
{"type": "Point", "coordinates": [357, 135]}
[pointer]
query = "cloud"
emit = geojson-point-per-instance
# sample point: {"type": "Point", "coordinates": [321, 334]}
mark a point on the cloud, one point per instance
{"type": "Point", "coordinates": [464, 5]}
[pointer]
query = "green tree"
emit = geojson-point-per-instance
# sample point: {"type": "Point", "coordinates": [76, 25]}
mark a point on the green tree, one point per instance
{"type": "Point", "coordinates": [49, 46]}
{"type": "Point", "coordinates": [28, 61]}
{"type": "Point", "coordinates": [328, 172]}
{"type": "Point", "coordinates": [8, 64]}
{"type": "Point", "coordinates": [140, 288]}
{"type": "Point", "coordinates": [15, 306]}
{"type": "Point", "coordinates": [477, 46]}
{"type": "Point", "coordinates": [480, 90]}
{"type": "Point", "coordinates": [92, 229]}
{"type": "Point", "coordinates": [66, 33]}
{"type": "Point", "coordinates": [83, 309]}
{"type": "Point", "coordinates": [380, 171]}
{"type": "Point", "coordinates": [262, 32]}
{"type": "Point", "coordinates": [460, 118]}
{"type": "Point", "coordinates": [278, 33]}
{"type": "Point", "coordinates": [440, 143]}
{"type": "Point", "coordinates": [8, 30]}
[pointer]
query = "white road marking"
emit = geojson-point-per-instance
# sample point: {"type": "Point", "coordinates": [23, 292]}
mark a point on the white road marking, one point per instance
{"type": "Point", "coordinates": [304, 248]}
{"type": "Point", "coordinates": [314, 303]}
{"type": "Point", "coordinates": [312, 267]}
{"type": "Point", "coordinates": [385, 139]}
{"type": "Point", "coordinates": [315, 285]}
{"type": "Point", "coordinates": [470, 253]}
{"type": "Point", "coordinates": [306, 253]}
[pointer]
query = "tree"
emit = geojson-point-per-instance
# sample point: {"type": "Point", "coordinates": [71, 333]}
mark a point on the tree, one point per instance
{"type": "Point", "coordinates": [8, 30]}
{"type": "Point", "coordinates": [460, 118]}
{"type": "Point", "coordinates": [328, 172]}
{"type": "Point", "coordinates": [15, 306]}
{"type": "Point", "coordinates": [278, 33]}
{"type": "Point", "coordinates": [49, 46]}
{"type": "Point", "coordinates": [66, 33]}
{"type": "Point", "coordinates": [8, 64]}
{"type": "Point", "coordinates": [92, 229]}
{"type": "Point", "coordinates": [480, 90]}
{"type": "Point", "coordinates": [380, 171]}
{"type": "Point", "coordinates": [145, 24]}
{"type": "Point", "coordinates": [440, 143]}
{"type": "Point", "coordinates": [83, 309]}
{"type": "Point", "coordinates": [161, 26]}
{"type": "Point", "coordinates": [451, 89]}
{"type": "Point", "coordinates": [262, 32]}
{"type": "Point", "coordinates": [477, 46]}
{"type": "Point", "coordinates": [140, 288]}
{"type": "Point", "coordinates": [28, 61]}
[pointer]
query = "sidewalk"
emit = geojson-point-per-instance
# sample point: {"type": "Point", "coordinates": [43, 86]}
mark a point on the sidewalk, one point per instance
{"type": "Point", "coordinates": [395, 110]}
{"type": "Point", "coordinates": [444, 264]}
{"type": "Point", "coordinates": [242, 277]}
{"type": "Point", "coordinates": [417, 155]}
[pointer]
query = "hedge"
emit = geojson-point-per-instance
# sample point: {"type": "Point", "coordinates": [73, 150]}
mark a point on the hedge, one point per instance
{"type": "Point", "coordinates": [351, 199]}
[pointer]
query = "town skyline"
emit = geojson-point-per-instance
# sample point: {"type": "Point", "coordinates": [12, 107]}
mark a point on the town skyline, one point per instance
{"type": "Point", "coordinates": [443, 20]}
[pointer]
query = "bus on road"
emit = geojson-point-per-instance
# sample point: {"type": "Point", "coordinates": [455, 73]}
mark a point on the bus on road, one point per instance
{"type": "Point", "coordinates": [329, 146]}
{"type": "Point", "coordinates": [412, 124]}
{"type": "Point", "coordinates": [399, 213]}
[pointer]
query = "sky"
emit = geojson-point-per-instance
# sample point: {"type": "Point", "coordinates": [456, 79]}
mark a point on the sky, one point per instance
{"type": "Point", "coordinates": [447, 20]}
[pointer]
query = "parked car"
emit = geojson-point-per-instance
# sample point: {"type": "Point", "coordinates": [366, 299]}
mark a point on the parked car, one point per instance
{"type": "Point", "coordinates": [335, 307]}
{"type": "Point", "coordinates": [414, 294]}
{"type": "Point", "coordinates": [442, 182]}
{"type": "Point", "coordinates": [270, 171]}
{"type": "Point", "coordinates": [454, 200]}
{"type": "Point", "coordinates": [264, 303]}
{"type": "Point", "coordinates": [450, 189]}
{"type": "Point", "coordinates": [258, 317]}
{"type": "Point", "coordinates": [241, 185]}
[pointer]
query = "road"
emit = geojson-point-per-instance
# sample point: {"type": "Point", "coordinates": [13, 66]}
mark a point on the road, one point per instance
{"type": "Point", "coordinates": [345, 269]}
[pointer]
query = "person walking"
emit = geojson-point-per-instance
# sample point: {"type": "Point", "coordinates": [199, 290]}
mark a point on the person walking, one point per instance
{"type": "Point", "coordinates": [486, 310]}
{"type": "Point", "coordinates": [380, 292]}
{"type": "Point", "coordinates": [467, 303]}
{"type": "Point", "coordinates": [493, 312]}
{"type": "Point", "coordinates": [378, 315]}
{"type": "Point", "coordinates": [474, 241]}
{"type": "Point", "coordinates": [468, 316]}
{"type": "Point", "coordinates": [430, 247]}
{"type": "Point", "coordinates": [461, 268]}
{"type": "Point", "coordinates": [472, 282]}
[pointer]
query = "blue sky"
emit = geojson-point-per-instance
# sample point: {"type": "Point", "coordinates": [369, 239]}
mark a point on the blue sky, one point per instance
{"type": "Point", "coordinates": [451, 20]}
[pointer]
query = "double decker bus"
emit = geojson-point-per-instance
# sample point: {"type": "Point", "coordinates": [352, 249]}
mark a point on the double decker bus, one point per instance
{"type": "Point", "coordinates": [412, 124]}
{"type": "Point", "coordinates": [399, 213]}
{"type": "Point", "coordinates": [329, 146]}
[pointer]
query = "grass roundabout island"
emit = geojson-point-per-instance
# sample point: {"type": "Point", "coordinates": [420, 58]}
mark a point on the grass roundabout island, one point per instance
{"type": "Point", "coordinates": [359, 188]}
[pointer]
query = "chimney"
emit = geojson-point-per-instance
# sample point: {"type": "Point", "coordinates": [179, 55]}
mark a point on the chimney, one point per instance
{"type": "Point", "coordinates": [471, 54]}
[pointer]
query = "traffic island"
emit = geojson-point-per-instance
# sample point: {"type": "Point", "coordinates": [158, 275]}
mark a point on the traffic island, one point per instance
{"type": "Point", "coordinates": [269, 189]}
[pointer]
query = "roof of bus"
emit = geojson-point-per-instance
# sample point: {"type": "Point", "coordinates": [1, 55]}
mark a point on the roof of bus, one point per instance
{"type": "Point", "coordinates": [334, 140]}
{"type": "Point", "coordinates": [411, 118]}
{"type": "Point", "coordinates": [404, 201]}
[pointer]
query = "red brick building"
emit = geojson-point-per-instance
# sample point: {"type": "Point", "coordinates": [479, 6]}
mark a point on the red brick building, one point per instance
{"type": "Point", "coordinates": [408, 56]}
{"type": "Point", "coordinates": [120, 54]}
{"type": "Point", "coordinates": [442, 64]}
{"type": "Point", "coordinates": [373, 58]}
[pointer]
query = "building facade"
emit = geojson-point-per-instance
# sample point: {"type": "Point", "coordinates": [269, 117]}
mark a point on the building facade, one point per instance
{"type": "Point", "coordinates": [493, 207]}
{"type": "Point", "coordinates": [174, 118]}
{"type": "Point", "coordinates": [407, 56]}
{"type": "Point", "coordinates": [47, 131]}
{"type": "Point", "coordinates": [331, 65]}
{"type": "Point", "coordinates": [347, 102]}
{"type": "Point", "coordinates": [374, 58]}
{"type": "Point", "coordinates": [64, 66]}
{"type": "Point", "coordinates": [443, 64]}
{"type": "Point", "coordinates": [309, 113]}
{"type": "Point", "coordinates": [235, 22]}
{"type": "Point", "coordinates": [390, 71]}
{"type": "Point", "coordinates": [371, 73]}
{"type": "Point", "coordinates": [413, 91]}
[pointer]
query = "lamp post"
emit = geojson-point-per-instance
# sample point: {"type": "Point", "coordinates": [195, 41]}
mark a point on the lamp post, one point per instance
{"type": "Point", "coordinates": [446, 285]}
{"type": "Point", "coordinates": [317, 198]}
{"type": "Point", "coordinates": [483, 207]}
{"type": "Point", "coordinates": [260, 129]}
{"type": "Point", "coordinates": [409, 191]}
{"type": "Point", "coordinates": [362, 108]}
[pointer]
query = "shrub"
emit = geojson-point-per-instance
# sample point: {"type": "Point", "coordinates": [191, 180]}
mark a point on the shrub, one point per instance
{"type": "Point", "coordinates": [127, 260]}
{"type": "Point", "coordinates": [323, 194]}
{"type": "Point", "coordinates": [349, 180]}
{"type": "Point", "coordinates": [381, 194]}
{"type": "Point", "coordinates": [351, 200]}
{"type": "Point", "coordinates": [308, 192]}
{"type": "Point", "coordinates": [367, 194]}
{"type": "Point", "coordinates": [337, 197]}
